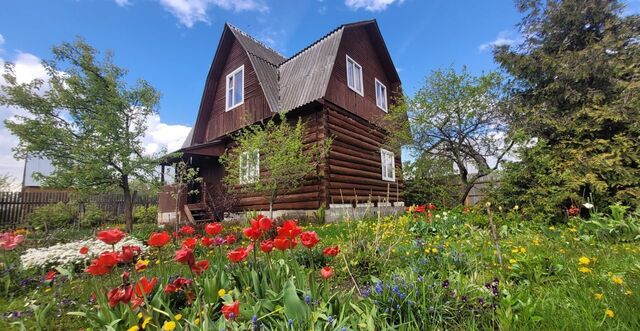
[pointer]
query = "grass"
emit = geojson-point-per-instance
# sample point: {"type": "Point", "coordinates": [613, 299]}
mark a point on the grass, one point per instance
{"type": "Point", "coordinates": [542, 285]}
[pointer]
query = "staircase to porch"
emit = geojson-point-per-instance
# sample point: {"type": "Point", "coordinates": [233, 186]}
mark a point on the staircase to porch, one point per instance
{"type": "Point", "coordinates": [196, 213]}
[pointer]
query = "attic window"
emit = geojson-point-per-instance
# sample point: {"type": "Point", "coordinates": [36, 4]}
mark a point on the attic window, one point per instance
{"type": "Point", "coordinates": [354, 75]}
{"type": "Point", "coordinates": [387, 159]}
{"type": "Point", "coordinates": [381, 95]}
{"type": "Point", "coordinates": [235, 88]}
{"type": "Point", "coordinates": [249, 167]}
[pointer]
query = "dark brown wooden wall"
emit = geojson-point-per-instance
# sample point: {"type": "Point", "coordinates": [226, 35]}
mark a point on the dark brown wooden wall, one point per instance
{"type": "Point", "coordinates": [313, 193]}
{"type": "Point", "coordinates": [355, 169]}
{"type": "Point", "coordinates": [357, 44]}
{"type": "Point", "coordinates": [254, 108]}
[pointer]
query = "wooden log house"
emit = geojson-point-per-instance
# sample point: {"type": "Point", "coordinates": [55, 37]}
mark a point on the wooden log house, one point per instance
{"type": "Point", "coordinates": [339, 86]}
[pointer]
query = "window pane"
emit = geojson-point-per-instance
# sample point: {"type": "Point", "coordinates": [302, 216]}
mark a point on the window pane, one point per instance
{"type": "Point", "coordinates": [357, 73]}
{"type": "Point", "coordinates": [350, 73]}
{"type": "Point", "coordinates": [238, 97]}
{"type": "Point", "coordinates": [230, 92]}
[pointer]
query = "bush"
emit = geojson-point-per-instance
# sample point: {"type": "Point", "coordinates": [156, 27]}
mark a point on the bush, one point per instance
{"type": "Point", "coordinates": [145, 215]}
{"type": "Point", "coordinates": [93, 215]}
{"type": "Point", "coordinates": [53, 216]}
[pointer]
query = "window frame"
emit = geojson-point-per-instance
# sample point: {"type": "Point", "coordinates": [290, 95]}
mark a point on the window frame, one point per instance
{"type": "Point", "coordinates": [249, 175]}
{"type": "Point", "coordinates": [226, 96]}
{"type": "Point", "coordinates": [386, 98]}
{"type": "Point", "coordinates": [384, 166]}
{"type": "Point", "coordinates": [361, 92]}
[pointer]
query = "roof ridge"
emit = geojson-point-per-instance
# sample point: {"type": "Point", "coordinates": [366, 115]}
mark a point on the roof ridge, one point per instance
{"type": "Point", "coordinates": [311, 45]}
{"type": "Point", "coordinates": [255, 40]}
{"type": "Point", "coordinates": [263, 59]}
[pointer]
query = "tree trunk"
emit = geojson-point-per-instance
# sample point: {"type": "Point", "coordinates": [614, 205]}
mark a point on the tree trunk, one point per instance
{"type": "Point", "coordinates": [465, 192]}
{"type": "Point", "coordinates": [128, 204]}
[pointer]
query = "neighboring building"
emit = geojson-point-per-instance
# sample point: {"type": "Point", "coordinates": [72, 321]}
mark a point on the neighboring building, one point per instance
{"type": "Point", "coordinates": [340, 85]}
{"type": "Point", "coordinates": [32, 165]}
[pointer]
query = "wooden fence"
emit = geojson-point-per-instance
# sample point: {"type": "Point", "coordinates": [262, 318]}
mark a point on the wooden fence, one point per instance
{"type": "Point", "coordinates": [478, 191]}
{"type": "Point", "coordinates": [16, 206]}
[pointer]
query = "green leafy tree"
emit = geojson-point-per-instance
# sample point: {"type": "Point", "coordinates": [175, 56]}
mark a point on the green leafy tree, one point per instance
{"type": "Point", "coordinates": [459, 118]}
{"type": "Point", "coordinates": [85, 119]}
{"type": "Point", "coordinates": [577, 85]}
{"type": "Point", "coordinates": [430, 180]}
{"type": "Point", "coordinates": [272, 159]}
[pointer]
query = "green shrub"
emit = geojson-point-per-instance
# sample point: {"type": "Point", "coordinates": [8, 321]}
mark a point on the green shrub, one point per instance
{"type": "Point", "coordinates": [146, 215]}
{"type": "Point", "coordinates": [52, 216]}
{"type": "Point", "coordinates": [93, 215]}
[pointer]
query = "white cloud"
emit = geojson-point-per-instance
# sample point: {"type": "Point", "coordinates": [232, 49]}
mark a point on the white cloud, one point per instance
{"type": "Point", "coordinates": [1, 40]}
{"type": "Point", "coordinates": [190, 12]}
{"type": "Point", "coordinates": [122, 3]}
{"type": "Point", "coordinates": [507, 38]}
{"type": "Point", "coordinates": [163, 136]}
{"type": "Point", "coordinates": [370, 5]}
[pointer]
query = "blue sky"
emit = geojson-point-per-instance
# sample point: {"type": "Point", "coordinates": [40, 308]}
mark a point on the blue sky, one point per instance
{"type": "Point", "coordinates": [171, 43]}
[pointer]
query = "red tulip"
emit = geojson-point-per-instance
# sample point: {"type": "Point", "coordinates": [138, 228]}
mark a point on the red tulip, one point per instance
{"type": "Point", "coordinates": [108, 259]}
{"type": "Point", "coordinates": [111, 236]}
{"type": "Point", "coordinates": [120, 294]}
{"type": "Point", "coordinates": [144, 286]}
{"type": "Point", "coordinates": [190, 243]}
{"type": "Point", "coordinates": [326, 272]}
{"type": "Point", "coordinates": [431, 206]}
{"type": "Point", "coordinates": [159, 239]}
{"type": "Point", "coordinates": [128, 253]}
{"type": "Point", "coordinates": [238, 254]}
{"type": "Point", "coordinates": [51, 275]}
{"type": "Point", "coordinates": [84, 250]}
{"type": "Point", "coordinates": [265, 223]}
{"type": "Point", "coordinates": [253, 233]}
{"type": "Point", "coordinates": [331, 251]}
{"type": "Point", "coordinates": [283, 243]}
{"type": "Point", "coordinates": [177, 285]}
{"type": "Point", "coordinates": [266, 246]}
{"type": "Point", "coordinates": [230, 239]}
{"type": "Point", "coordinates": [213, 229]}
{"type": "Point", "coordinates": [187, 229]}
{"type": "Point", "coordinates": [97, 269]}
{"type": "Point", "coordinates": [420, 209]}
{"type": "Point", "coordinates": [231, 311]}
{"type": "Point", "coordinates": [207, 242]}
{"type": "Point", "coordinates": [309, 239]}
{"type": "Point", "coordinates": [289, 229]}
{"type": "Point", "coordinates": [185, 256]}
{"type": "Point", "coordinates": [200, 266]}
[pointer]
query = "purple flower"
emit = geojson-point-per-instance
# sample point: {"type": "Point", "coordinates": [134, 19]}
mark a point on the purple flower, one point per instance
{"type": "Point", "coordinates": [445, 284]}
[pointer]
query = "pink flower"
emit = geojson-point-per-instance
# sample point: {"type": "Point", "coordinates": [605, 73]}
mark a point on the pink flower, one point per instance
{"type": "Point", "coordinates": [9, 241]}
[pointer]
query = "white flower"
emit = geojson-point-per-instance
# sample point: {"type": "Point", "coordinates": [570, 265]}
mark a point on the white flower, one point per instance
{"type": "Point", "coordinates": [588, 205]}
{"type": "Point", "coordinates": [68, 254]}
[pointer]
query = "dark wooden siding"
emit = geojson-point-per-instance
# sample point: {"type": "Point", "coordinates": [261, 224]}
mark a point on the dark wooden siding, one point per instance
{"type": "Point", "coordinates": [356, 43]}
{"type": "Point", "coordinates": [313, 193]}
{"type": "Point", "coordinates": [354, 166]}
{"type": "Point", "coordinates": [254, 108]}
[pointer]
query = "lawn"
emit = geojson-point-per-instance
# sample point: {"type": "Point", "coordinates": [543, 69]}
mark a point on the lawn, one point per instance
{"type": "Point", "coordinates": [426, 269]}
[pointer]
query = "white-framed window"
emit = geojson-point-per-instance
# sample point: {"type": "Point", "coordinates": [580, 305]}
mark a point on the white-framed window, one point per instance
{"type": "Point", "coordinates": [381, 95]}
{"type": "Point", "coordinates": [249, 167]}
{"type": "Point", "coordinates": [354, 76]}
{"type": "Point", "coordinates": [235, 88]}
{"type": "Point", "coordinates": [387, 159]}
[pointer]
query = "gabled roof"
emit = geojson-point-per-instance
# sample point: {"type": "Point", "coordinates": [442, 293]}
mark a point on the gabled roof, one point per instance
{"type": "Point", "coordinates": [289, 83]}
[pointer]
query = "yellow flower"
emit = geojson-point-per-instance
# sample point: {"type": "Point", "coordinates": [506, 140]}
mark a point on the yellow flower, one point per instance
{"type": "Point", "coordinates": [617, 280]}
{"type": "Point", "coordinates": [584, 260]}
{"type": "Point", "coordinates": [609, 313]}
{"type": "Point", "coordinates": [178, 317]}
{"type": "Point", "coordinates": [139, 315]}
{"type": "Point", "coordinates": [599, 296]}
{"type": "Point", "coordinates": [157, 261]}
{"type": "Point", "coordinates": [168, 326]}
{"type": "Point", "coordinates": [523, 250]}
{"type": "Point", "coordinates": [145, 322]}
{"type": "Point", "coordinates": [552, 228]}
{"type": "Point", "coordinates": [196, 321]}
{"type": "Point", "coordinates": [434, 250]}
{"type": "Point", "coordinates": [133, 328]}
{"type": "Point", "coordinates": [221, 292]}
{"type": "Point", "coordinates": [512, 261]}
{"type": "Point", "coordinates": [585, 270]}
{"type": "Point", "coordinates": [628, 293]}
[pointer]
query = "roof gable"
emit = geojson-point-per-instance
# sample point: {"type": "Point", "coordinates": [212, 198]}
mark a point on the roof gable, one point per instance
{"type": "Point", "coordinates": [287, 83]}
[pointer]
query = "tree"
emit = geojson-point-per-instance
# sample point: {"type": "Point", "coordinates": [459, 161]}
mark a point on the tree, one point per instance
{"type": "Point", "coordinates": [459, 118]}
{"type": "Point", "coordinates": [577, 86]}
{"type": "Point", "coordinates": [182, 178]}
{"type": "Point", "coordinates": [430, 180]}
{"type": "Point", "coordinates": [6, 182]}
{"type": "Point", "coordinates": [85, 119]}
{"type": "Point", "coordinates": [272, 159]}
